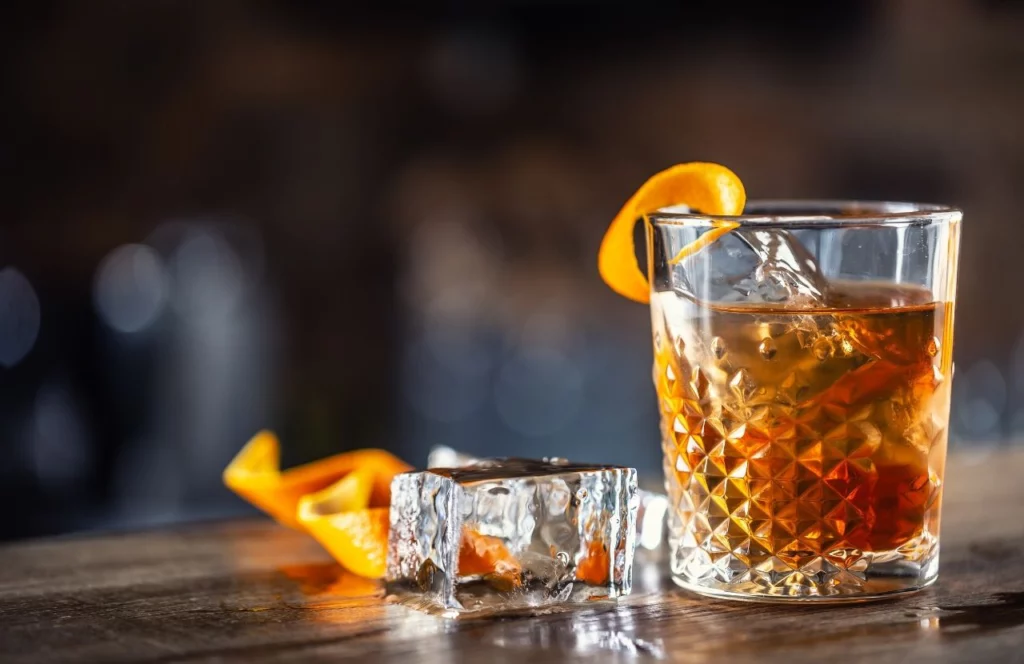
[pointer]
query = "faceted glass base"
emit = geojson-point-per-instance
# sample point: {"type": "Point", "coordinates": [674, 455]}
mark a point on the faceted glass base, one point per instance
{"type": "Point", "coordinates": [879, 576]}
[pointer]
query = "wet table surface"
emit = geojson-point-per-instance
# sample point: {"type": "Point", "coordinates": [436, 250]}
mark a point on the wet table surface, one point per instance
{"type": "Point", "coordinates": [253, 591]}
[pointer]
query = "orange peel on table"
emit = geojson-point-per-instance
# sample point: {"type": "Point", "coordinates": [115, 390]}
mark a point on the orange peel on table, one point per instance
{"type": "Point", "coordinates": [358, 540]}
{"type": "Point", "coordinates": [255, 475]}
{"type": "Point", "coordinates": [712, 189]}
{"type": "Point", "coordinates": [342, 500]}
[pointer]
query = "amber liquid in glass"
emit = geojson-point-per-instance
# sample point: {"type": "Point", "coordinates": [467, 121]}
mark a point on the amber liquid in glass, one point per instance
{"type": "Point", "coordinates": [802, 446]}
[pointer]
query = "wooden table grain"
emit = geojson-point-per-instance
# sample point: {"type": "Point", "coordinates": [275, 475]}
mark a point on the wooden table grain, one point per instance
{"type": "Point", "coordinates": [250, 591]}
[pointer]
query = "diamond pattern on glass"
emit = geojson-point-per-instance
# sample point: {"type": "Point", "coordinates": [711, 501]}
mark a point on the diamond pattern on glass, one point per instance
{"type": "Point", "coordinates": [791, 471]}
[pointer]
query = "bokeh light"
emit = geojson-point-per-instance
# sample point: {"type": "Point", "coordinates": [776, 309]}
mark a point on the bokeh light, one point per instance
{"type": "Point", "coordinates": [207, 275]}
{"type": "Point", "coordinates": [362, 232]}
{"type": "Point", "coordinates": [981, 402]}
{"type": "Point", "coordinates": [130, 289]}
{"type": "Point", "coordinates": [60, 447]}
{"type": "Point", "coordinates": [19, 316]}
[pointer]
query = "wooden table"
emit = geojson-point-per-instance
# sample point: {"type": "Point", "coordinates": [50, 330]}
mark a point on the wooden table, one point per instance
{"type": "Point", "coordinates": [252, 591]}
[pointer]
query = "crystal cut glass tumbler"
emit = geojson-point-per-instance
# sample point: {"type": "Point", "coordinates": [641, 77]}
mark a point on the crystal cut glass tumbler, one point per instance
{"type": "Point", "coordinates": [803, 361]}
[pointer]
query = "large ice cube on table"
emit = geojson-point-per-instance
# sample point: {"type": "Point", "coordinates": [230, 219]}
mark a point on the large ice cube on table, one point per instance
{"type": "Point", "coordinates": [506, 534]}
{"type": "Point", "coordinates": [650, 518]}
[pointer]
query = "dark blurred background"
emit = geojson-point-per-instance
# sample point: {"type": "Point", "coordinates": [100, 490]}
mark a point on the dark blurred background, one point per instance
{"type": "Point", "coordinates": [363, 227]}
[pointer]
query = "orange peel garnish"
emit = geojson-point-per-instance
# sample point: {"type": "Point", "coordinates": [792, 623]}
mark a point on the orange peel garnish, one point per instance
{"type": "Point", "coordinates": [255, 475]}
{"type": "Point", "coordinates": [712, 189]}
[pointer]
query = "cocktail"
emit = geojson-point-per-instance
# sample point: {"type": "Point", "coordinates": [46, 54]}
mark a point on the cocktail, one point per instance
{"type": "Point", "coordinates": [802, 362]}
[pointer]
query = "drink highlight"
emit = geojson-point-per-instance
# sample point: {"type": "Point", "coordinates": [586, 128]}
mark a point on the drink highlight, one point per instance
{"type": "Point", "coordinates": [803, 445]}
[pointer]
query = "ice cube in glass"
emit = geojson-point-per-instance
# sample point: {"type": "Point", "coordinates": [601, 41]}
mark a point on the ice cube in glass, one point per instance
{"type": "Point", "coordinates": [509, 534]}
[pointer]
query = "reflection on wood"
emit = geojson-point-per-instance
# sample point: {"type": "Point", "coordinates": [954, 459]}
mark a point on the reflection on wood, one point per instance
{"type": "Point", "coordinates": [253, 591]}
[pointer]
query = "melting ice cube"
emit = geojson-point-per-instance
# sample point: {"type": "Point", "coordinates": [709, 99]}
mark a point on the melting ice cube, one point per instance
{"type": "Point", "coordinates": [787, 271]}
{"type": "Point", "coordinates": [651, 511]}
{"type": "Point", "coordinates": [510, 534]}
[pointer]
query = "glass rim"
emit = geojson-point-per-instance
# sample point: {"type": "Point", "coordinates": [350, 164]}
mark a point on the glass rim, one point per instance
{"type": "Point", "coordinates": [816, 213]}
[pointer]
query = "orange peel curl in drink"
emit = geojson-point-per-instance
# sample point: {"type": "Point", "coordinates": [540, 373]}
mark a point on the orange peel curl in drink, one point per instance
{"type": "Point", "coordinates": [712, 189]}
